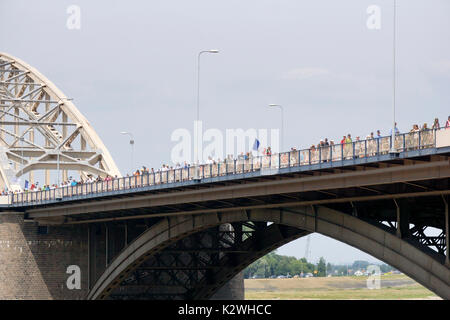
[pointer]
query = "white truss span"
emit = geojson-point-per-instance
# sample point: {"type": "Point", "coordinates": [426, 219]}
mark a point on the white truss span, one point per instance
{"type": "Point", "coordinates": [41, 129]}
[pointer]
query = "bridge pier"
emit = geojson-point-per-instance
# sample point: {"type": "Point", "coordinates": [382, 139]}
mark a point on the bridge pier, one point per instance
{"type": "Point", "coordinates": [34, 259]}
{"type": "Point", "coordinates": [232, 290]}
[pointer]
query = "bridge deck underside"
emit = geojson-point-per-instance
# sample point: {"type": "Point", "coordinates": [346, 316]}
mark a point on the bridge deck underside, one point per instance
{"type": "Point", "coordinates": [382, 208]}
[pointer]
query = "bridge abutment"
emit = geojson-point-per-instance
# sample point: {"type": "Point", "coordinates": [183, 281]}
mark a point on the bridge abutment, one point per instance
{"type": "Point", "coordinates": [34, 260]}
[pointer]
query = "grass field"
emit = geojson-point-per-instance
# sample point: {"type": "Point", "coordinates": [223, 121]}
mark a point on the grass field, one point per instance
{"type": "Point", "coordinates": [335, 288]}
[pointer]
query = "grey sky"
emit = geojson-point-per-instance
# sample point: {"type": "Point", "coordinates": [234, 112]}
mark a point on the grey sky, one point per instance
{"type": "Point", "coordinates": [132, 67]}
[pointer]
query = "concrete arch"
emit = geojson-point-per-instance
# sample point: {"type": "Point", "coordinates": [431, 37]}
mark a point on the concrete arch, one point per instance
{"type": "Point", "coordinates": [31, 101]}
{"type": "Point", "coordinates": [351, 230]}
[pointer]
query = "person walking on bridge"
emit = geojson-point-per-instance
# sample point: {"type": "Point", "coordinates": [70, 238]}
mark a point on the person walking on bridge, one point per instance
{"type": "Point", "coordinates": [436, 124]}
{"type": "Point", "coordinates": [397, 132]}
{"type": "Point", "coordinates": [348, 145]}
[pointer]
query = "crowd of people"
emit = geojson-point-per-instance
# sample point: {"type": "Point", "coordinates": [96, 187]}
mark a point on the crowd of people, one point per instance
{"type": "Point", "coordinates": [346, 140]}
{"type": "Point", "coordinates": [35, 186]}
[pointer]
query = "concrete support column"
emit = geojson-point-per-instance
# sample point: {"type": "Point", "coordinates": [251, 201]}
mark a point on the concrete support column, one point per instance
{"type": "Point", "coordinates": [126, 234]}
{"type": "Point", "coordinates": [402, 219]}
{"type": "Point", "coordinates": [106, 246]}
{"type": "Point", "coordinates": [447, 224]}
{"type": "Point", "coordinates": [354, 209]}
{"type": "Point", "coordinates": [89, 257]}
{"type": "Point", "coordinates": [399, 234]}
{"type": "Point", "coordinates": [232, 290]}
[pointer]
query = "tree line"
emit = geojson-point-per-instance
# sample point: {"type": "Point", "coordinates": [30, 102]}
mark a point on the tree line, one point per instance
{"type": "Point", "coordinates": [274, 265]}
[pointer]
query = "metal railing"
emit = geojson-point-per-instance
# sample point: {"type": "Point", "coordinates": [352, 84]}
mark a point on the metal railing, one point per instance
{"type": "Point", "coordinates": [266, 164]}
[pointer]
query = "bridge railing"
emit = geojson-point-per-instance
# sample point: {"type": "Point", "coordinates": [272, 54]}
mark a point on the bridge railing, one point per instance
{"type": "Point", "coordinates": [266, 163]}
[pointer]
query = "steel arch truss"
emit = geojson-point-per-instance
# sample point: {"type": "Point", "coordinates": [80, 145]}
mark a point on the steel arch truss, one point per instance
{"type": "Point", "coordinates": [421, 222]}
{"type": "Point", "coordinates": [197, 266]}
{"type": "Point", "coordinates": [191, 257]}
{"type": "Point", "coordinates": [436, 243]}
{"type": "Point", "coordinates": [40, 126]}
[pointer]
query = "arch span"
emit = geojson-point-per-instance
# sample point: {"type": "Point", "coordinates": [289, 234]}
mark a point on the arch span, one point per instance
{"type": "Point", "coordinates": [41, 129]}
{"type": "Point", "coordinates": [145, 257]}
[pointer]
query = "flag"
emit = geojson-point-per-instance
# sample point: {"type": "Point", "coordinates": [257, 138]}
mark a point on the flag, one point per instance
{"type": "Point", "coordinates": [256, 145]}
{"type": "Point", "coordinates": [26, 184]}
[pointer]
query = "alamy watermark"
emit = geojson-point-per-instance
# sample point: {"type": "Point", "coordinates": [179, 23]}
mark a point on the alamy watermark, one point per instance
{"type": "Point", "coordinates": [74, 280]}
{"type": "Point", "coordinates": [374, 279]}
{"type": "Point", "coordinates": [214, 144]}
{"type": "Point", "coordinates": [374, 20]}
{"type": "Point", "coordinates": [73, 21]}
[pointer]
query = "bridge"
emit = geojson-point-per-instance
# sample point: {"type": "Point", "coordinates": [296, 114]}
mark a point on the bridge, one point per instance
{"type": "Point", "coordinates": [187, 233]}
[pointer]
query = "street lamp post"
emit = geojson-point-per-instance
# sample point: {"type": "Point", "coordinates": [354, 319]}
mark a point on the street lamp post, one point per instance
{"type": "Point", "coordinates": [393, 149]}
{"type": "Point", "coordinates": [198, 78]}
{"type": "Point", "coordinates": [57, 157]}
{"type": "Point", "coordinates": [196, 161]}
{"type": "Point", "coordinates": [21, 147]}
{"type": "Point", "coordinates": [132, 148]}
{"type": "Point", "coordinates": [282, 123]}
{"type": "Point", "coordinates": [58, 184]}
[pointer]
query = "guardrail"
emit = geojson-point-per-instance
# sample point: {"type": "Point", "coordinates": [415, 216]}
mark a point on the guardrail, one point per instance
{"type": "Point", "coordinates": [334, 153]}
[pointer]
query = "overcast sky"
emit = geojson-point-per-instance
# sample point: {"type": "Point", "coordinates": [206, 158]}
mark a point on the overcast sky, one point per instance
{"type": "Point", "coordinates": [132, 67]}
